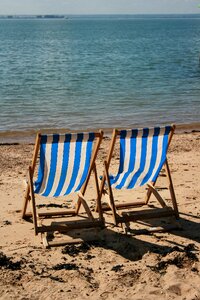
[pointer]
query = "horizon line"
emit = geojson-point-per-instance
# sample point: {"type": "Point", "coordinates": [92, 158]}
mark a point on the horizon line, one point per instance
{"type": "Point", "coordinates": [96, 14]}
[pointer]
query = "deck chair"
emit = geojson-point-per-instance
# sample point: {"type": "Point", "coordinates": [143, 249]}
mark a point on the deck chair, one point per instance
{"type": "Point", "coordinates": [143, 153]}
{"type": "Point", "coordinates": [65, 166]}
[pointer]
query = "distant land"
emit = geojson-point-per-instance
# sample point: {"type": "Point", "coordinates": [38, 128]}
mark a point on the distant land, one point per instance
{"type": "Point", "coordinates": [32, 16]}
{"type": "Point", "coordinates": [52, 16]}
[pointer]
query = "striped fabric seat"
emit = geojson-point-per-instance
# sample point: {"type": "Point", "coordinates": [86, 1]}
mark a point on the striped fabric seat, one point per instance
{"type": "Point", "coordinates": [142, 155]}
{"type": "Point", "coordinates": [64, 163]}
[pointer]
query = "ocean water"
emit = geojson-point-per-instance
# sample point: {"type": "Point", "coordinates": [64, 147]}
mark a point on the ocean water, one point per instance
{"type": "Point", "coordinates": [99, 72]}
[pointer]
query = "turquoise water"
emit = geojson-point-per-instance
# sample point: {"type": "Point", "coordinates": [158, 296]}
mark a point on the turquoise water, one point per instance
{"type": "Point", "coordinates": [99, 72]}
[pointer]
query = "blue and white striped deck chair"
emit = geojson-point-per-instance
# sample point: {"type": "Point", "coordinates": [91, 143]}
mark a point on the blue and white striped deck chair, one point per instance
{"type": "Point", "coordinates": [143, 153]}
{"type": "Point", "coordinates": [65, 165]}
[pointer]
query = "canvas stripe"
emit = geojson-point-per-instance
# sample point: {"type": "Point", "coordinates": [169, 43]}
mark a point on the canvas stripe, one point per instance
{"type": "Point", "coordinates": [40, 179]}
{"type": "Point", "coordinates": [81, 167]}
{"type": "Point", "coordinates": [52, 165]}
{"type": "Point", "coordinates": [126, 162]}
{"type": "Point", "coordinates": [137, 155]}
{"type": "Point", "coordinates": [152, 161]}
{"type": "Point", "coordinates": [58, 166]}
{"type": "Point", "coordinates": [151, 153]}
{"type": "Point", "coordinates": [147, 161]}
{"type": "Point", "coordinates": [141, 162]}
{"type": "Point", "coordinates": [122, 151]}
{"type": "Point", "coordinates": [124, 158]}
{"type": "Point", "coordinates": [130, 152]}
{"type": "Point", "coordinates": [123, 136]}
{"type": "Point", "coordinates": [76, 165]}
{"type": "Point", "coordinates": [85, 167]}
{"type": "Point", "coordinates": [72, 148]}
{"type": "Point", "coordinates": [159, 154]}
{"type": "Point", "coordinates": [65, 159]}
{"type": "Point", "coordinates": [85, 135]}
{"type": "Point", "coordinates": [83, 158]}
{"type": "Point", "coordinates": [82, 163]}
{"type": "Point", "coordinates": [47, 164]}
{"type": "Point", "coordinates": [164, 152]}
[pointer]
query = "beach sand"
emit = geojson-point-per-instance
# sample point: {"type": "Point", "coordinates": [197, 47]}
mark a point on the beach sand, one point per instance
{"type": "Point", "coordinates": [118, 266]}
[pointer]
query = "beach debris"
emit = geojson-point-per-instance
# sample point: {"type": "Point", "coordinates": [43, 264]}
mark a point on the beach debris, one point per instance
{"type": "Point", "coordinates": [129, 277]}
{"type": "Point", "coordinates": [6, 222]}
{"type": "Point", "coordinates": [7, 263]}
{"type": "Point", "coordinates": [117, 268]}
{"type": "Point", "coordinates": [68, 266]}
{"type": "Point", "coordinates": [89, 256]}
{"type": "Point", "coordinates": [56, 278]}
{"type": "Point", "coordinates": [52, 205]}
{"type": "Point", "coordinates": [73, 250]}
{"type": "Point", "coordinates": [87, 273]}
{"type": "Point", "coordinates": [179, 257]}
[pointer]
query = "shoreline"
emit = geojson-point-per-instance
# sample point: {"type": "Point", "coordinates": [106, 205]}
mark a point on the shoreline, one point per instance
{"type": "Point", "coordinates": [28, 136]}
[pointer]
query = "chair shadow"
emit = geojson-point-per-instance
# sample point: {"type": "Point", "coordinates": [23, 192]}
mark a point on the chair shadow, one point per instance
{"type": "Point", "coordinates": [124, 245]}
{"type": "Point", "coordinates": [186, 228]}
{"type": "Point", "coordinates": [131, 247]}
{"type": "Point", "coordinates": [190, 229]}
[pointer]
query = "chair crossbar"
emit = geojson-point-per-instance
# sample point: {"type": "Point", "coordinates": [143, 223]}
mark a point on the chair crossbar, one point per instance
{"type": "Point", "coordinates": [71, 225]}
{"type": "Point", "coordinates": [146, 214]}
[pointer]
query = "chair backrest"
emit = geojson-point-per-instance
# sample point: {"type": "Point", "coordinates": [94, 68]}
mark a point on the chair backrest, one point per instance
{"type": "Point", "coordinates": [65, 161]}
{"type": "Point", "coordinates": [142, 155]}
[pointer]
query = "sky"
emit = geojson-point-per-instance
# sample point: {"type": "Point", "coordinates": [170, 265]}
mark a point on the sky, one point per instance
{"type": "Point", "coordinates": [99, 6]}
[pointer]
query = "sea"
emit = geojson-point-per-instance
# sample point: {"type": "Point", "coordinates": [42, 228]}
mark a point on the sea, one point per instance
{"type": "Point", "coordinates": [103, 71]}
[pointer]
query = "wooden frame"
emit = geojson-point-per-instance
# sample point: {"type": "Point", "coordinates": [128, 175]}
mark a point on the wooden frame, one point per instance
{"type": "Point", "coordinates": [123, 217]}
{"type": "Point", "coordinates": [79, 224]}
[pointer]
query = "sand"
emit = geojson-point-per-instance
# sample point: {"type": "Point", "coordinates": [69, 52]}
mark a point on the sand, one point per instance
{"type": "Point", "coordinates": [118, 266]}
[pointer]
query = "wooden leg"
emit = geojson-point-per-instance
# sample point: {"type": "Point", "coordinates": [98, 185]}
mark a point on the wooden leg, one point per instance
{"type": "Point", "coordinates": [33, 201]}
{"type": "Point", "coordinates": [98, 203]}
{"type": "Point", "coordinates": [110, 194]}
{"type": "Point", "coordinates": [157, 195]}
{"type": "Point", "coordinates": [149, 192]}
{"type": "Point", "coordinates": [78, 205]}
{"type": "Point", "coordinates": [86, 207]}
{"type": "Point", "coordinates": [27, 193]}
{"type": "Point", "coordinates": [171, 188]}
{"type": "Point", "coordinates": [26, 199]}
{"type": "Point", "coordinates": [101, 190]}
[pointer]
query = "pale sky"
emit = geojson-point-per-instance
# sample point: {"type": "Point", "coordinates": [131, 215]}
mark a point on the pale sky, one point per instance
{"type": "Point", "coordinates": [99, 6]}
